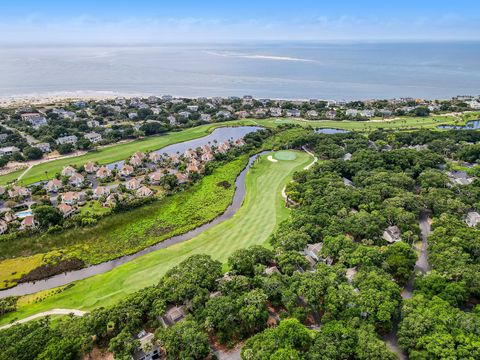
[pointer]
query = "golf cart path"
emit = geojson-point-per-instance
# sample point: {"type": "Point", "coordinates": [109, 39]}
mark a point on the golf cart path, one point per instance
{"type": "Point", "coordinates": [46, 313]}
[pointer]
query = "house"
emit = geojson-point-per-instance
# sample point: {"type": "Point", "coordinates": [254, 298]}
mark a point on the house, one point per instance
{"type": "Point", "coordinates": [239, 142]}
{"type": "Point", "coordinates": [350, 274]}
{"type": "Point", "coordinates": [206, 117]}
{"type": "Point", "coordinates": [192, 167]}
{"type": "Point", "coordinates": [103, 172]}
{"type": "Point", "coordinates": [155, 157]}
{"type": "Point", "coordinates": [45, 147]}
{"type": "Point", "coordinates": [172, 120]}
{"type": "Point", "coordinates": [28, 223]}
{"type": "Point", "coordinates": [192, 108]}
{"type": "Point", "coordinates": [126, 170]}
{"type": "Point", "coordinates": [18, 191]}
{"type": "Point", "coordinates": [9, 150]}
{"type": "Point", "coordinates": [3, 137]}
{"type": "Point", "coordinates": [367, 113]}
{"type": "Point", "coordinates": [155, 177]}
{"type": "Point", "coordinates": [260, 113]}
{"type": "Point", "coordinates": [132, 115]}
{"type": "Point", "coordinates": [331, 114]}
{"type": "Point", "coordinates": [190, 154]}
{"type": "Point", "coordinates": [276, 111]}
{"type": "Point", "coordinates": [184, 114]}
{"type": "Point", "coordinates": [347, 157]}
{"type": "Point", "coordinates": [90, 167]}
{"type": "Point", "coordinates": [347, 182]}
{"type": "Point", "coordinates": [208, 156]}
{"type": "Point", "coordinates": [223, 147]}
{"type": "Point", "coordinates": [144, 192]}
{"type": "Point", "coordinates": [392, 234]}
{"type": "Point", "coordinates": [133, 184]}
{"type": "Point", "coordinates": [37, 121]}
{"type": "Point", "coordinates": [173, 315]}
{"type": "Point", "coordinates": [293, 113]}
{"type": "Point", "coordinates": [100, 191]}
{"type": "Point", "coordinates": [135, 160]}
{"type": "Point", "coordinates": [182, 178]}
{"type": "Point", "coordinates": [312, 114]}
{"type": "Point", "coordinates": [242, 114]}
{"type": "Point", "coordinates": [68, 171]}
{"type": "Point", "coordinates": [93, 137]}
{"type": "Point", "coordinates": [65, 209]}
{"type": "Point", "coordinates": [148, 349]}
{"type": "Point", "coordinates": [473, 218]}
{"type": "Point", "coordinates": [272, 270]}
{"type": "Point", "coordinates": [110, 201]}
{"type": "Point", "coordinates": [93, 123]}
{"type": "Point", "coordinates": [224, 114]}
{"type": "Point", "coordinates": [54, 185]}
{"type": "Point", "coordinates": [206, 148]}
{"type": "Point", "coordinates": [71, 197]}
{"type": "Point", "coordinates": [175, 159]}
{"type": "Point", "coordinates": [76, 179]}
{"type": "Point", "coordinates": [313, 250]}
{"type": "Point", "coordinates": [71, 139]}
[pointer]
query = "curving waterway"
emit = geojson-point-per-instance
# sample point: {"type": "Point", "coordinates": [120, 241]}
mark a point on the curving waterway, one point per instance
{"type": "Point", "coordinates": [220, 134]}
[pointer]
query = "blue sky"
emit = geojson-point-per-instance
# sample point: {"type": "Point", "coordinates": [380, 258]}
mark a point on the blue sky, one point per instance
{"type": "Point", "coordinates": [208, 20]}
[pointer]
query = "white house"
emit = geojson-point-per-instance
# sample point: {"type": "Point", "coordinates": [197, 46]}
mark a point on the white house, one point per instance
{"type": "Point", "coordinates": [93, 137]}
{"type": "Point", "coordinates": [71, 139]}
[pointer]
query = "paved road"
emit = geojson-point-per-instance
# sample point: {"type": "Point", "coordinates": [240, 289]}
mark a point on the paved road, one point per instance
{"type": "Point", "coordinates": [421, 266]}
{"type": "Point", "coordinates": [46, 313]}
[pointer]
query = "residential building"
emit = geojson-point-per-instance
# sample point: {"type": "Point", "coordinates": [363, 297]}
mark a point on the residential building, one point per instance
{"type": "Point", "coordinates": [392, 234]}
{"type": "Point", "coordinates": [45, 147]}
{"type": "Point", "coordinates": [173, 315]}
{"type": "Point", "coordinates": [205, 117]}
{"type": "Point", "coordinates": [155, 177]}
{"type": "Point", "coordinates": [126, 170]}
{"type": "Point", "coordinates": [93, 137]}
{"type": "Point", "coordinates": [103, 172]}
{"type": "Point", "coordinates": [18, 191]}
{"type": "Point", "coordinates": [71, 139]}
{"type": "Point", "coordinates": [182, 178]}
{"type": "Point", "coordinates": [100, 191]}
{"type": "Point", "coordinates": [71, 197]}
{"type": "Point", "coordinates": [65, 209]}
{"type": "Point", "coordinates": [148, 350]}
{"type": "Point", "coordinates": [133, 184]}
{"type": "Point", "coordinates": [76, 179]}
{"type": "Point", "coordinates": [144, 192]}
{"type": "Point", "coordinates": [9, 150]}
{"type": "Point", "coordinates": [312, 114]}
{"type": "Point", "coordinates": [293, 113]}
{"type": "Point", "coordinates": [54, 185]}
{"type": "Point", "coordinates": [3, 226]}
{"type": "Point", "coordinates": [276, 111]}
{"type": "Point", "coordinates": [93, 123]}
{"type": "Point", "coordinates": [172, 120]}
{"type": "Point", "coordinates": [331, 114]}
{"type": "Point", "coordinates": [473, 218]}
{"type": "Point", "coordinates": [155, 157]}
{"type": "Point", "coordinates": [90, 167]}
{"type": "Point", "coordinates": [68, 171]}
{"type": "Point", "coordinates": [207, 156]}
{"type": "Point", "coordinates": [28, 223]}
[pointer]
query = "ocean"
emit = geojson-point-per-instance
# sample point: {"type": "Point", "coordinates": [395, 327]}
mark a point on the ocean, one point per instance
{"type": "Point", "coordinates": [342, 71]}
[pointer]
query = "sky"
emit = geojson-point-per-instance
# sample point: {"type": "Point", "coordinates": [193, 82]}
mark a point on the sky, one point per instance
{"type": "Point", "coordinates": [148, 21]}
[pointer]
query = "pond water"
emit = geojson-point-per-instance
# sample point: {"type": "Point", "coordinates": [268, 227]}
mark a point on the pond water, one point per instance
{"type": "Point", "coordinates": [470, 125]}
{"type": "Point", "coordinates": [218, 135]}
{"type": "Point", "coordinates": [68, 277]}
{"type": "Point", "coordinates": [330, 131]}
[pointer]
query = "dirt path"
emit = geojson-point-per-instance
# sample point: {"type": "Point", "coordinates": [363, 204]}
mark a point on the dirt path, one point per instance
{"type": "Point", "coordinates": [46, 313]}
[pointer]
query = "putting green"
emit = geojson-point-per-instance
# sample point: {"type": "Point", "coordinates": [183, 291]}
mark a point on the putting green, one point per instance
{"type": "Point", "coordinates": [262, 210]}
{"type": "Point", "coordinates": [285, 155]}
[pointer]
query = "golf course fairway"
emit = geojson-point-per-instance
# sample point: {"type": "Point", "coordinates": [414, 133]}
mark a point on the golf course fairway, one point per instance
{"type": "Point", "coordinates": [262, 210]}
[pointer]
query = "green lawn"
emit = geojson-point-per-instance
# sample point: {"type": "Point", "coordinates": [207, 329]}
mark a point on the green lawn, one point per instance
{"type": "Point", "coordinates": [262, 210]}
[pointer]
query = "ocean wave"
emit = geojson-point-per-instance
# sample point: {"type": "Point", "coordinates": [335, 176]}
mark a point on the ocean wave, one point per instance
{"type": "Point", "coordinates": [256, 56]}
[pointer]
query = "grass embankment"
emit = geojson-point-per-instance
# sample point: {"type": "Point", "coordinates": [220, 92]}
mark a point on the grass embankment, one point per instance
{"type": "Point", "coordinates": [128, 232]}
{"type": "Point", "coordinates": [262, 210]}
{"type": "Point", "coordinates": [114, 153]}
